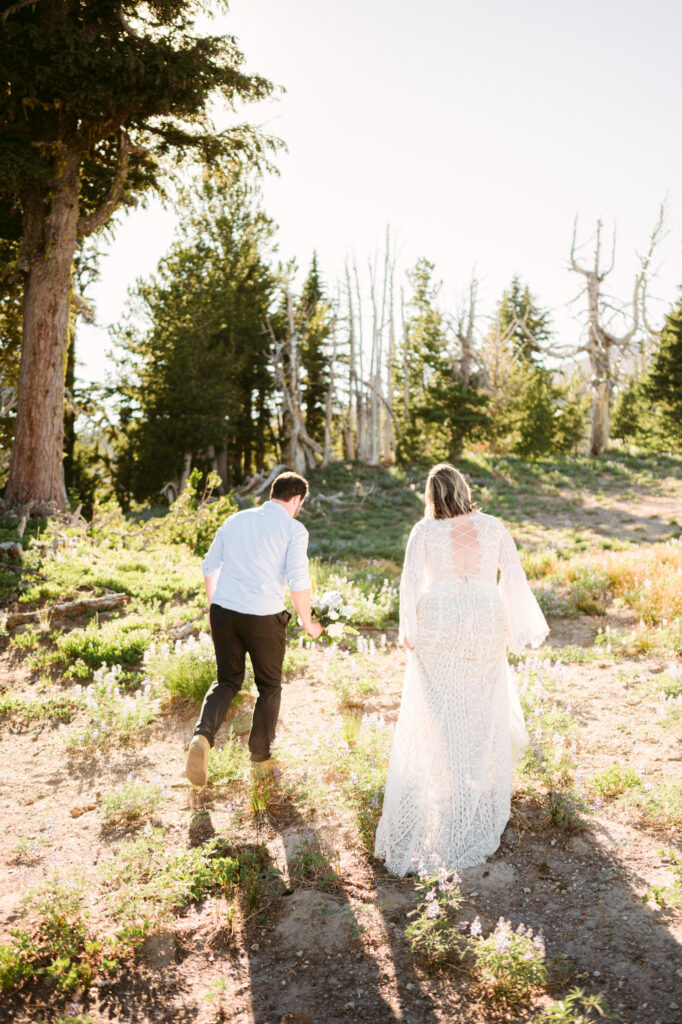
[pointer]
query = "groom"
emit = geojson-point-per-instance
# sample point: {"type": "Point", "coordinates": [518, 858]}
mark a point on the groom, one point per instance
{"type": "Point", "coordinates": [254, 555]}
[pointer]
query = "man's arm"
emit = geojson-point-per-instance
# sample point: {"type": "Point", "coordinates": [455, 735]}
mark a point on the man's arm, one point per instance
{"type": "Point", "coordinates": [210, 582]}
{"type": "Point", "coordinates": [301, 599]}
{"type": "Point", "coordinates": [212, 564]}
{"type": "Point", "coordinates": [299, 581]}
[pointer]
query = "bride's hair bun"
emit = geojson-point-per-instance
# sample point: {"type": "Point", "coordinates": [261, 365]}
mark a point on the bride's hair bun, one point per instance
{"type": "Point", "coordinates": [447, 493]}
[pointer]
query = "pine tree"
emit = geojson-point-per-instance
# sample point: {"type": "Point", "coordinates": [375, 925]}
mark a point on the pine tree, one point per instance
{"type": "Point", "coordinates": [664, 384]}
{"type": "Point", "coordinates": [198, 381]}
{"type": "Point", "coordinates": [101, 102]}
{"type": "Point", "coordinates": [440, 414]}
{"type": "Point", "coordinates": [313, 320]}
{"type": "Point", "coordinates": [523, 321]}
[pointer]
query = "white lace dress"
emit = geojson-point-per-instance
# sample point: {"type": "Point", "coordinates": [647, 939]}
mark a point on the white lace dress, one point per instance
{"type": "Point", "coordinates": [460, 727]}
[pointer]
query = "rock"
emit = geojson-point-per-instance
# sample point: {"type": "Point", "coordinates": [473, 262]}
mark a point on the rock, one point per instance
{"type": "Point", "coordinates": [579, 846]}
{"type": "Point", "coordinates": [316, 922]}
{"type": "Point", "coordinates": [497, 876]}
{"type": "Point", "coordinates": [159, 949]}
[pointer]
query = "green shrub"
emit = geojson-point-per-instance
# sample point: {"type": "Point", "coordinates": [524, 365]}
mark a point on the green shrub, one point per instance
{"type": "Point", "coordinates": [311, 866]}
{"type": "Point", "coordinates": [113, 716]}
{"type": "Point", "coordinates": [147, 884]}
{"type": "Point", "coordinates": [614, 780]}
{"type": "Point", "coordinates": [576, 1008]}
{"type": "Point", "coordinates": [194, 518]}
{"type": "Point", "coordinates": [54, 946]}
{"type": "Point", "coordinates": [229, 763]}
{"type": "Point", "coordinates": [434, 936]}
{"type": "Point", "coordinates": [659, 805]}
{"type": "Point", "coordinates": [510, 963]}
{"type": "Point", "coordinates": [132, 802]}
{"type": "Point", "coordinates": [186, 670]}
{"type": "Point", "coordinates": [120, 642]}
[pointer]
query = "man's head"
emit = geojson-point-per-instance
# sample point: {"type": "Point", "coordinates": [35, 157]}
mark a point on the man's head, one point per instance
{"type": "Point", "coordinates": [291, 490]}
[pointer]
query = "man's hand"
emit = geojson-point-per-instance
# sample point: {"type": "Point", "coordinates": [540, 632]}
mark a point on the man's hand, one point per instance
{"type": "Point", "coordinates": [301, 599]}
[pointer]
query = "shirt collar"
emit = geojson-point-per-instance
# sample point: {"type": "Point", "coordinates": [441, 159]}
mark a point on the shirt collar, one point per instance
{"type": "Point", "coordinates": [279, 509]}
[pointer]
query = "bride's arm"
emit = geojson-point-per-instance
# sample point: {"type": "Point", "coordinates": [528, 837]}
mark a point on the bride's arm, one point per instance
{"type": "Point", "coordinates": [525, 622]}
{"type": "Point", "coordinates": [413, 571]}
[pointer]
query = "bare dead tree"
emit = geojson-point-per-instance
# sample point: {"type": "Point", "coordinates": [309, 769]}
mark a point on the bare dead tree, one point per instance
{"type": "Point", "coordinates": [300, 449]}
{"type": "Point", "coordinates": [464, 333]}
{"type": "Point", "coordinates": [602, 347]}
{"type": "Point", "coordinates": [351, 413]}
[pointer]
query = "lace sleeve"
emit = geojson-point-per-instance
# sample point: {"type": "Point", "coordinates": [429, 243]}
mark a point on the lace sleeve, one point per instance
{"type": "Point", "coordinates": [410, 584]}
{"type": "Point", "coordinates": [525, 622]}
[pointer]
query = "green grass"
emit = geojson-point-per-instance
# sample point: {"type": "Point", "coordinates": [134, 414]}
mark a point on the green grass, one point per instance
{"type": "Point", "coordinates": [59, 708]}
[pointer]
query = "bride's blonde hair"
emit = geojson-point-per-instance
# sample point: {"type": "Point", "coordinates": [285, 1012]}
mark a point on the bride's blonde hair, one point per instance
{"type": "Point", "coordinates": [447, 493]}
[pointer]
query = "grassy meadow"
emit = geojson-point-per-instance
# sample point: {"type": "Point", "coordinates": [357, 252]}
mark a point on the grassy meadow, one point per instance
{"type": "Point", "coordinates": [127, 895]}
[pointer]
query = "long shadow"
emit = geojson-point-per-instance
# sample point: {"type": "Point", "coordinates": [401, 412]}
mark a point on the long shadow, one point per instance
{"type": "Point", "coordinates": [600, 935]}
{"type": "Point", "coordinates": [326, 962]}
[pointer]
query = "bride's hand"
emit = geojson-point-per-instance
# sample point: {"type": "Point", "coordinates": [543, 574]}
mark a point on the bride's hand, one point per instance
{"type": "Point", "coordinates": [408, 645]}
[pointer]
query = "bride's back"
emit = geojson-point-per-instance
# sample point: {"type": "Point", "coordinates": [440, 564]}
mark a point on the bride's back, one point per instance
{"type": "Point", "coordinates": [466, 546]}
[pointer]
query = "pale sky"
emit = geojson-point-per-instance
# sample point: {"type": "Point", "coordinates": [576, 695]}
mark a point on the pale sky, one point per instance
{"type": "Point", "coordinates": [477, 129]}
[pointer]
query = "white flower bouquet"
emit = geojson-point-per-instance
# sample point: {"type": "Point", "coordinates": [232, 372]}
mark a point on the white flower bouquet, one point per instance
{"type": "Point", "coordinates": [331, 612]}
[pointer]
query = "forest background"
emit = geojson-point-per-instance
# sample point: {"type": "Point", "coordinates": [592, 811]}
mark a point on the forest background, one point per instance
{"type": "Point", "coordinates": [234, 356]}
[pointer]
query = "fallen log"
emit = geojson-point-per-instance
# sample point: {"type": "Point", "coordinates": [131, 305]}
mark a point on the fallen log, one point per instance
{"type": "Point", "coordinates": [104, 603]}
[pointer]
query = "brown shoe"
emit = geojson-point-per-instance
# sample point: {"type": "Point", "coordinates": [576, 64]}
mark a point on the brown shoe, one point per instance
{"type": "Point", "coordinates": [197, 760]}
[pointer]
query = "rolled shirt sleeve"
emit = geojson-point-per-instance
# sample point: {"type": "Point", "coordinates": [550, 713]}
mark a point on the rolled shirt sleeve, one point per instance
{"type": "Point", "coordinates": [213, 562]}
{"type": "Point", "coordinates": [296, 565]}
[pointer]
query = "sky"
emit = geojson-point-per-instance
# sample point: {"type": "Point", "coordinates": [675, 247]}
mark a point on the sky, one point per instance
{"type": "Point", "coordinates": [477, 130]}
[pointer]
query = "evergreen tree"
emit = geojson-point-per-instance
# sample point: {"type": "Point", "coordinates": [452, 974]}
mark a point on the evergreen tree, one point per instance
{"type": "Point", "coordinates": [314, 323]}
{"type": "Point", "coordinates": [664, 383]}
{"type": "Point", "coordinates": [198, 380]}
{"type": "Point", "coordinates": [523, 321]}
{"type": "Point", "coordinates": [101, 101]}
{"type": "Point", "coordinates": [633, 419]}
{"type": "Point", "coordinates": [439, 414]}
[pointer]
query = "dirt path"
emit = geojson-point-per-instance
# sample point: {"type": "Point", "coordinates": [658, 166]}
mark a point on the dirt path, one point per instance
{"type": "Point", "coordinates": [340, 956]}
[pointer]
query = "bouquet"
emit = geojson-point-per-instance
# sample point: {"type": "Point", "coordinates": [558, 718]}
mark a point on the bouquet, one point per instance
{"type": "Point", "coordinates": [331, 612]}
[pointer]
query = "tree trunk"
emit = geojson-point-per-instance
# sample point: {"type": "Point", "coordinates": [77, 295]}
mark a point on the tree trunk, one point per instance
{"type": "Point", "coordinates": [48, 248]}
{"type": "Point", "coordinates": [599, 433]}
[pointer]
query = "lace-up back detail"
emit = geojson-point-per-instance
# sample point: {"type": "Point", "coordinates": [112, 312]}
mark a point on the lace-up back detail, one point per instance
{"type": "Point", "coordinates": [465, 549]}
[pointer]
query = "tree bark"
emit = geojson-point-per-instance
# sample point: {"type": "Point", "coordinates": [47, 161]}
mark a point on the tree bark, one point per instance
{"type": "Point", "coordinates": [48, 248]}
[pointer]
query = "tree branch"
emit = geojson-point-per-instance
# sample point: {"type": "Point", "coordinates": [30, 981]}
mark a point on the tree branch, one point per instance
{"type": "Point", "coordinates": [17, 7]}
{"type": "Point", "coordinates": [574, 265]}
{"type": "Point", "coordinates": [101, 216]}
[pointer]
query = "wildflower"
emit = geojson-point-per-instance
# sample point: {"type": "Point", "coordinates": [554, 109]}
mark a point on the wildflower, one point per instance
{"type": "Point", "coordinates": [502, 941]}
{"type": "Point", "coordinates": [476, 928]}
{"type": "Point", "coordinates": [433, 911]}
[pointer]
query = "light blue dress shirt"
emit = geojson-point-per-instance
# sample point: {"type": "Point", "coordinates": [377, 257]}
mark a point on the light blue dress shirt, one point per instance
{"type": "Point", "coordinates": [255, 554]}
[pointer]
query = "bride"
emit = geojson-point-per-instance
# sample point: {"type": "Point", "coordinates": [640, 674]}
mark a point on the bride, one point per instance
{"type": "Point", "coordinates": [460, 727]}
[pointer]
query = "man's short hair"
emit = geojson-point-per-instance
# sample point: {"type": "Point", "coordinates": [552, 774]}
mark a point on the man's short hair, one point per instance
{"type": "Point", "coordinates": [287, 486]}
